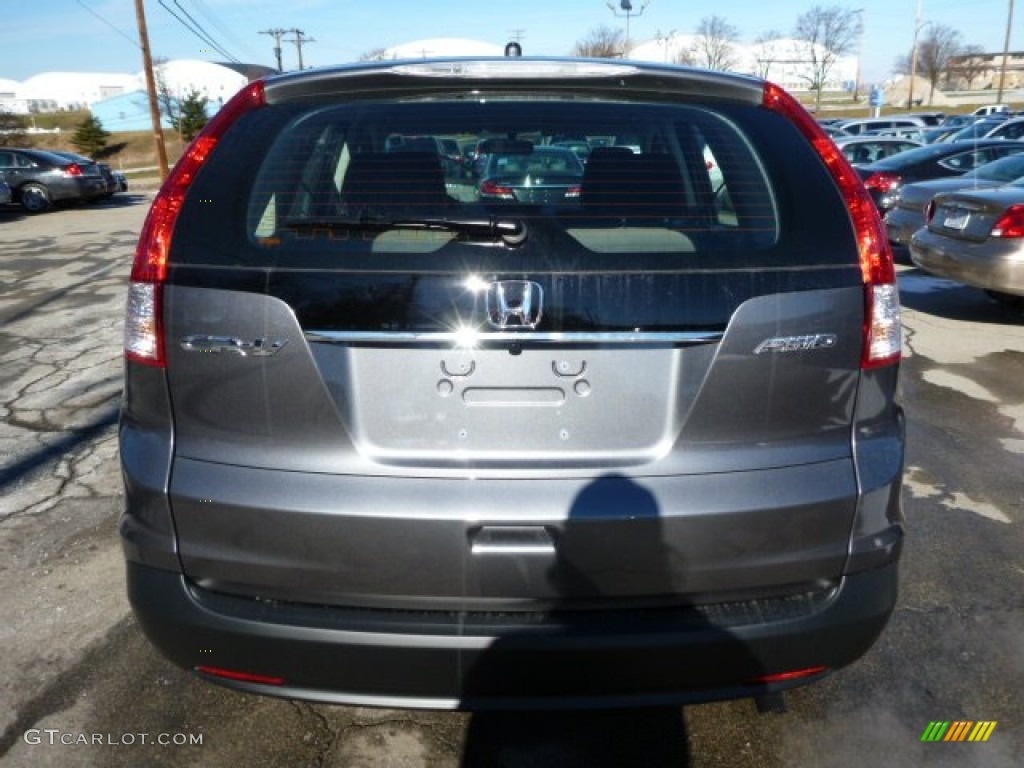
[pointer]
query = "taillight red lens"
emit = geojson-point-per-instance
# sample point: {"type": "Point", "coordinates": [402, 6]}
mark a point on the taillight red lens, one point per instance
{"type": "Point", "coordinates": [882, 181]}
{"type": "Point", "coordinates": [929, 212]}
{"type": "Point", "coordinates": [73, 170]}
{"type": "Point", "coordinates": [1011, 223]}
{"type": "Point", "coordinates": [882, 328]}
{"type": "Point", "coordinates": [490, 187]}
{"type": "Point", "coordinates": [143, 326]}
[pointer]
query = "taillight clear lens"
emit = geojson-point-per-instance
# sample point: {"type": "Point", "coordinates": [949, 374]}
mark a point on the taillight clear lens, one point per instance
{"type": "Point", "coordinates": [883, 329]}
{"type": "Point", "coordinates": [142, 332]}
{"type": "Point", "coordinates": [1011, 223]}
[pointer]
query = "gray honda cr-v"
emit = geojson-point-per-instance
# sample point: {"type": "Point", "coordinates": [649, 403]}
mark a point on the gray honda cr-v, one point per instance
{"type": "Point", "coordinates": [619, 432]}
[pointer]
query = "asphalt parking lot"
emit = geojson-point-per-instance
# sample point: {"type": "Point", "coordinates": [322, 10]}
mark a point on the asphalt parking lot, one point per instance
{"type": "Point", "coordinates": [80, 686]}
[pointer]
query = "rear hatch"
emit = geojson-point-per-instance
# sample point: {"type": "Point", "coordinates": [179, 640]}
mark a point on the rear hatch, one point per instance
{"type": "Point", "coordinates": [388, 392]}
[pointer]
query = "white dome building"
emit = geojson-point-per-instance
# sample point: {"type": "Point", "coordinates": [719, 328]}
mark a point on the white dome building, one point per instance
{"type": "Point", "coordinates": [51, 91]}
{"type": "Point", "coordinates": [9, 99]}
{"type": "Point", "coordinates": [441, 47]}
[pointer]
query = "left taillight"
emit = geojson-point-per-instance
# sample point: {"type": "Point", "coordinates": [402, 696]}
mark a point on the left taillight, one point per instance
{"type": "Point", "coordinates": [143, 334]}
{"type": "Point", "coordinates": [882, 342]}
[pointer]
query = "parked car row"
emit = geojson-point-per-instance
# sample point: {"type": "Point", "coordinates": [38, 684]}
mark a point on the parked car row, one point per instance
{"type": "Point", "coordinates": [957, 206]}
{"type": "Point", "coordinates": [40, 179]}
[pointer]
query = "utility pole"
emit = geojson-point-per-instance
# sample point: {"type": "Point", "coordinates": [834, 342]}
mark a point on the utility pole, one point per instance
{"type": "Point", "coordinates": [277, 34]}
{"type": "Point", "coordinates": [517, 34]}
{"type": "Point", "coordinates": [154, 104]}
{"type": "Point", "coordinates": [298, 40]}
{"type": "Point", "coordinates": [1006, 55]}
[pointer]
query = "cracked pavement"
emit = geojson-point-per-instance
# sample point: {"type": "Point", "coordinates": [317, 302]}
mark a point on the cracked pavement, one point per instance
{"type": "Point", "coordinates": [75, 662]}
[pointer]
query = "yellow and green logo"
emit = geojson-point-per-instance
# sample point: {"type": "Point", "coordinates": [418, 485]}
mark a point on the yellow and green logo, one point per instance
{"type": "Point", "coordinates": [958, 730]}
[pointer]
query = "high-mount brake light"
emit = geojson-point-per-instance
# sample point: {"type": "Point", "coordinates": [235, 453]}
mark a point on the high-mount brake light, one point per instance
{"type": "Point", "coordinates": [882, 327]}
{"type": "Point", "coordinates": [143, 325]}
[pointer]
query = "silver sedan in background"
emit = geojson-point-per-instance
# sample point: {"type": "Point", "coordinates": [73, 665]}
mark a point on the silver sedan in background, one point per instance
{"type": "Point", "coordinates": [976, 238]}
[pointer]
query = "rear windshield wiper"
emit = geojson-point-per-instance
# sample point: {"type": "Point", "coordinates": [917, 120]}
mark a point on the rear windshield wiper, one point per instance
{"type": "Point", "coordinates": [509, 231]}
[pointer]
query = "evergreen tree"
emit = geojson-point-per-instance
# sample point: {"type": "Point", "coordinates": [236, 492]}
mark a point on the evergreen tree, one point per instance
{"type": "Point", "coordinates": [193, 115]}
{"type": "Point", "coordinates": [90, 137]}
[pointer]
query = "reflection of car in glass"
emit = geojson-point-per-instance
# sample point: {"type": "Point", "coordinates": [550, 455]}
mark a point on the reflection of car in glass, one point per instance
{"type": "Point", "coordinates": [385, 445]}
{"type": "Point", "coordinates": [976, 238]}
{"type": "Point", "coordinates": [530, 174]}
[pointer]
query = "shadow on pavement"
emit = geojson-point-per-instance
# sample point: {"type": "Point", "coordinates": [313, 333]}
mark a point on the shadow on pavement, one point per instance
{"type": "Point", "coordinates": [598, 739]}
{"type": "Point", "coordinates": [50, 453]}
{"type": "Point", "coordinates": [937, 296]}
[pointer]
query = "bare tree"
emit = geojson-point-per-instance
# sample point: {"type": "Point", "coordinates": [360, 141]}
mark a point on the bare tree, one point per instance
{"type": "Point", "coordinates": [714, 45]}
{"type": "Point", "coordinates": [826, 34]}
{"type": "Point", "coordinates": [935, 52]}
{"type": "Point", "coordinates": [377, 54]}
{"type": "Point", "coordinates": [969, 65]}
{"type": "Point", "coordinates": [766, 51]}
{"type": "Point", "coordinates": [170, 104]}
{"type": "Point", "coordinates": [602, 43]}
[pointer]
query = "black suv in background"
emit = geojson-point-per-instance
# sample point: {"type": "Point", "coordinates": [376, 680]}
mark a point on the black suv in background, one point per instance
{"type": "Point", "coordinates": [387, 440]}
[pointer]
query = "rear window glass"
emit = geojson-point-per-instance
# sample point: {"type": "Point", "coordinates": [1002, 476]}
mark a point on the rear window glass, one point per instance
{"type": "Point", "coordinates": [681, 181]}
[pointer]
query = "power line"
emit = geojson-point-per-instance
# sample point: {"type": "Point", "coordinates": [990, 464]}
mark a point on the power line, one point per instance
{"type": "Point", "coordinates": [206, 36]}
{"type": "Point", "coordinates": [197, 30]}
{"type": "Point", "coordinates": [125, 35]}
{"type": "Point", "coordinates": [225, 31]}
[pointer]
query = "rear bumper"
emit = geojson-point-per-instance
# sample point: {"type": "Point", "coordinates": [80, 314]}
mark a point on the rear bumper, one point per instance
{"type": "Point", "coordinates": [995, 265]}
{"type": "Point", "coordinates": [453, 661]}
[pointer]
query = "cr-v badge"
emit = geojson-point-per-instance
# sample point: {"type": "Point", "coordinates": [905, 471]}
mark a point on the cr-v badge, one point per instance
{"type": "Point", "coordinates": [232, 345]}
{"type": "Point", "coordinates": [514, 304]}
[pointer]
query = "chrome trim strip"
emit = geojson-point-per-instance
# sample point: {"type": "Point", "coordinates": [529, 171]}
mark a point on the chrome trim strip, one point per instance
{"type": "Point", "coordinates": [464, 338]}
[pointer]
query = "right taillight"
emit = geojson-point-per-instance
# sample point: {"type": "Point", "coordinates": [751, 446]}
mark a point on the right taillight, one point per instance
{"type": "Point", "coordinates": [1011, 223]}
{"type": "Point", "coordinates": [143, 333]}
{"type": "Point", "coordinates": [882, 342]}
